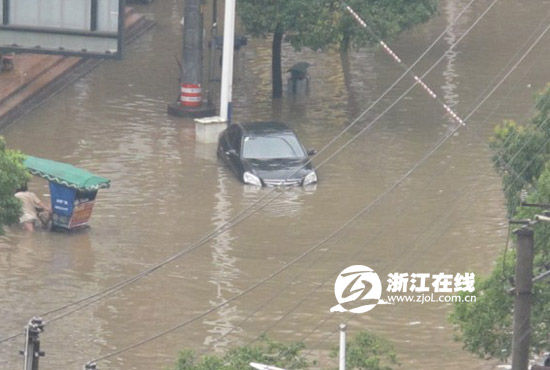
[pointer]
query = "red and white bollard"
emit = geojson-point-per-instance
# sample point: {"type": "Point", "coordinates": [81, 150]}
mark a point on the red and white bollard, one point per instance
{"type": "Point", "coordinates": [191, 95]}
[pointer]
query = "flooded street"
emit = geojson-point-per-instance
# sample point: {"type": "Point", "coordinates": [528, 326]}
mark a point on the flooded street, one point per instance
{"type": "Point", "coordinates": [168, 191]}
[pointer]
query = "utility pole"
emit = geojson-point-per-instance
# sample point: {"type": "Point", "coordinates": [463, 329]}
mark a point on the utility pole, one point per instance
{"type": "Point", "coordinates": [190, 102]}
{"type": "Point", "coordinates": [342, 353]}
{"type": "Point", "coordinates": [227, 61]}
{"type": "Point", "coordinates": [524, 285]}
{"type": "Point", "coordinates": [522, 304]}
{"type": "Point", "coordinates": [32, 351]}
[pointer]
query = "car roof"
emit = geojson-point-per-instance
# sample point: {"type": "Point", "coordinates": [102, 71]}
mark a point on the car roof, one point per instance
{"type": "Point", "coordinates": [265, 128]}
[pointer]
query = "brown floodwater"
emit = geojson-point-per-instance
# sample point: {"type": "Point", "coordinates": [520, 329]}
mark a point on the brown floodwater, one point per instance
{"type": "Point", "coordinates": [168, 191]}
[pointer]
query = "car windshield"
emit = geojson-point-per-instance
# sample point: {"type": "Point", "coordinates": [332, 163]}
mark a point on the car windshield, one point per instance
{"type": "Point", "coordinates": [272, 147]}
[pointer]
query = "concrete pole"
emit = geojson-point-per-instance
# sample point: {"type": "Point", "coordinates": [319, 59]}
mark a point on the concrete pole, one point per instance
{"type": "Point", "coordinates": [191, 70]}
{"type": "Point", "coordinates": [227, 61]}
{"type": "Point", "coordinates": [189, 103]}
{"type": "Point", "coordinates": [342, 356]}
{"type": "Point", "coordinates": [522, 304]}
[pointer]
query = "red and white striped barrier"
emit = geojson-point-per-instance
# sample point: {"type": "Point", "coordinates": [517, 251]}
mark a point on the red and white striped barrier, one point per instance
{"type": "Point", "coordinates": [418, 80]}
{"type": "Point", "coordinates": [191, 95]}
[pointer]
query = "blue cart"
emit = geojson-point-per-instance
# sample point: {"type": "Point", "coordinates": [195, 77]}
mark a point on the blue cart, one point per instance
{"type": "Point", "coordinates": [73, 191]}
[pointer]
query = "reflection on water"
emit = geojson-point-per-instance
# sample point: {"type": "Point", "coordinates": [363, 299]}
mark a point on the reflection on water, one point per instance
{"type": "Point", "coordinates": [224, 271]}
{"type": "Point", "coordinates": [452, 9]}
{"type": "Point", "coordinates": [284, 201]}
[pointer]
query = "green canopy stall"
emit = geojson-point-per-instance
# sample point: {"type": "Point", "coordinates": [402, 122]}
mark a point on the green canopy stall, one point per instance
{"type": "Point", "coordinates": [73, 190]}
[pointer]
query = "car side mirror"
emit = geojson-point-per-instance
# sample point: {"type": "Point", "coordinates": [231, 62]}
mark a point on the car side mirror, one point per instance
{"type": "Point", "coordinates": [231, 153]}
{"type": "Point", "coordinates": [311, 152]}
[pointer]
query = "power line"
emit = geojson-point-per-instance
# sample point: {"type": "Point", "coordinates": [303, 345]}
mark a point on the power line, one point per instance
{"type": "Point", "coordinates": [406, 92]}
{"type": "Point", "coordinates": [396, 58]}
{"type": "Point", "coordinates": [243, 214]}
{"type": "Point", "coordinates": [446, 214]}
{"type": "Point", "coordinates": [517, 63]}
{"type": "Point", "coordinates": [127, 281]}
{"type": "Point", "coordinates": [537, 40]}
{"type": "Point", "coordinates": [286, 266]}
{"type": "Point", "coordinates": [329, 316]}
{"type": "Point", "coordinates": [281, 290]}
{"type": "Point", "coordinates": [508, 163]}
{"type": "Point", "coordinates": [486, 119]}
{"type": "Point", "coordinates": [404, 258]}
{"type": "Point", "coordinates": [244, 292]}
{"type": "Point", "coordinates": [338, 230]}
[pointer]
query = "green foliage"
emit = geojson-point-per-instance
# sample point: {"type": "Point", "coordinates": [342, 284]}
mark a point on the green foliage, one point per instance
{"type": "Point", "coordinates": [485, 327]}
{"type": "Point", "coordinates": [519, 157]}
{"type": "Point", "coordinates": [12, 175]}
{"type": "Point", "coordinates": [270, 352]}
{"type": "Point", "coordinates": [368, 351]}
{"type": "Point", "coordinates": [521, 152]}
{"type": "Point", "coordinates": [365, 351]}
{"type": "Point", "coordinates": [385, 18]}
{"type": "Point", "coordinates": [320, 23]}
{"type": "Point", "coordinates": [522, 158]}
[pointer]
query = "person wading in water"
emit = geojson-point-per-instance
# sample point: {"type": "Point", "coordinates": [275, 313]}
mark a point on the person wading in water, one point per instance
{"type": "Point", "coordinates": [34, 211]}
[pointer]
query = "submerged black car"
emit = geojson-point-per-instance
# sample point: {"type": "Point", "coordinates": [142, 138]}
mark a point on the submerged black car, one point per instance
{"type": "Point", "coordinates": [266, 154]}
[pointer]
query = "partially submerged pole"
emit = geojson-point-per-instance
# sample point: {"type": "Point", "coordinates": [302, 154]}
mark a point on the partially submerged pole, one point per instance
{"type": "Point", "coordinates": [190, 101]}
{"type": "Point", "coordinates": [208, 129]}
{"type": "Point", "coordinates": [227, 61]}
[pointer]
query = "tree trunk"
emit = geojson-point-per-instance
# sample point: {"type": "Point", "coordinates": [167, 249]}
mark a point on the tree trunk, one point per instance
{"type": "Point", "coordinates": [276, 71]}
